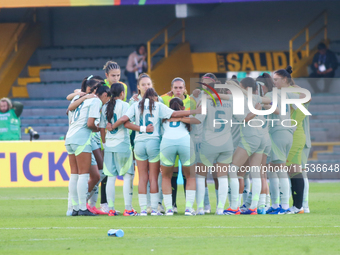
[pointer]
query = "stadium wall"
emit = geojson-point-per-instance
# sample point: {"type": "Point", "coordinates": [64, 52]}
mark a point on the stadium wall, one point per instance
{"type": "Point", "coordinates": [227, 27]}
{"type": "Point", "coordinates": [37, 164]}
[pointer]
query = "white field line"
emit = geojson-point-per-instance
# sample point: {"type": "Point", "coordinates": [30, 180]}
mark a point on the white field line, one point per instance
{"type": "Point", "coordinates": [201, 227]}
{"type": "Point", "coordinates": [33, 198]}
{"type": "Point", "coordinates": [181, 237]}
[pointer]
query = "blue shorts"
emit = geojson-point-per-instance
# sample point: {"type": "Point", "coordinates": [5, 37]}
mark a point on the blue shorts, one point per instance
{"type": "Point", "coordinates": [282, 141]}
{"type": "Point", "coordinates": [209, 158]}
{"type": "Point", "coordinates": [170, 148]}
{"type": "Point", "coordinates": [77, 149]}
{"type": "Point", "coordinates": [95, 145]}
{"type": "Point", "coordinates": [118, 163]}
{"type": "Point", "coordinates": [252, 144]}
{"type": "Point", "coordinates": [93, 160]}
{"type": "Point", "coordinates": [267, 145]}
{"type": "Point", "coordinates": [147, 150]}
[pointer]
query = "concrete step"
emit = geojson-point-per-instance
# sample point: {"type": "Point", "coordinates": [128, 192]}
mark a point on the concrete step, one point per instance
{"type": "Point", "coordinates": [30, 122]}
{"type": "Point", "coordinates": [44, 136]}
{"type": "Point", "coordinates": [44, 112]}
{"type": "Point", "coordinates": [327, 115]}
{"type": "Point", "coordinates": [71, 74]}
{"type": "Point", "coordinates": [29, 103]}
{"type": "Point", "coordinates": [52, 90]}
{"type": "Point", "coordinates": [48, 129]}
{"type": "Point", "coordinates": [329, 156]}
{"type": "Point", "coordinates": [93, 62]}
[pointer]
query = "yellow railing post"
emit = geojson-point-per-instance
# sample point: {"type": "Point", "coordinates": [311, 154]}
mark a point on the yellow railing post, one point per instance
{"type": "Point", "coordinates": [183, 31]}
{"type": "Point", "coordinates": [307, 40]}
{"type": "Point", "coordinates": [16, 43]}
{"type": "Point", "coordinates": [149, 57]}
{"type": "Point", "coordinates": [291, 62]}
{"type": "Point", "coordinates": [166, 43]}
{"type": "Point", "coordinates": [167, 40]}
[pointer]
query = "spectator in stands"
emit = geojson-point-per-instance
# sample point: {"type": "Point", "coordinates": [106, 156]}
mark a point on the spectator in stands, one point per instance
{"type": "Point", "coordinates": [10, 125]}
{"type": "Point", "coordinates": [136, 64]}
{"type": "Point", "coordinates": [323, 66]}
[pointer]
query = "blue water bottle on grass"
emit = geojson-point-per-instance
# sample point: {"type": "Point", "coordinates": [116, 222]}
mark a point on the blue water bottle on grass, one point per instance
{"type": "Point", "coordinates": [115, 232]}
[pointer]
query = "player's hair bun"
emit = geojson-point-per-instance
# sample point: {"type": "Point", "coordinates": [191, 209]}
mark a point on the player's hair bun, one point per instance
{"type": "Point", "coordinates": [289, 69]}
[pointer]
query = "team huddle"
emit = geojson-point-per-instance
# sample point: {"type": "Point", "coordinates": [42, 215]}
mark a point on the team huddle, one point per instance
{"type": "Point", "coordinates": [107, 135]}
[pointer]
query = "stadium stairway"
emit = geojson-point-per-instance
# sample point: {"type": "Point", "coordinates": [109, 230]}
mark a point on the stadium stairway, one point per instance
{"type": "Point", "coordinates": [47, 116]}
{"type": "Point", "coordinates": [69, 65]}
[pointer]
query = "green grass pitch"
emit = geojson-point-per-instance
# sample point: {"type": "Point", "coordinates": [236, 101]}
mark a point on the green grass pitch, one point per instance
{"type": "Point", "coordinates": [33, 221]}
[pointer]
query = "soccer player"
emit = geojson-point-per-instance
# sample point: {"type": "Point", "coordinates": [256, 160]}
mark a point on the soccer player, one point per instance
{"type": "Point", "coordinates": [143, 83]}
{"type": "Point", "coordinates": [196, 132]}
{"type": "Point", "coordinates": [178, 90]}
{"type": "Point", "coordinates": [88, 87]}
{"type": "Point", "coordinates": [78, 145]}
{"type": "Point", "coordinates": [216, 146]}
{"type": "Point", "coordinates": [304, 159]}
{"type": "Point", "coordinates": [113, 74]}
{"type": "Point", "coordinates": [294, 161]}
{"type": "Point", "coordinates": [175, 143]}
{"type": "Point", "coordinates": [282, 140]}
{"type": "Point", "coordinates": [265, 85]}
{"type": "Point", "coordinates": [117, 152]}
{"type": "Point", "coordinates": [251, 145]}
{"type": "Point", "coordinates": [148, 112]}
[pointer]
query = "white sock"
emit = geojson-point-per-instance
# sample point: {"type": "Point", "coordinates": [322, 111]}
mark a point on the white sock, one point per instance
{"type": "Point", "coordinates": [190, 198]}
{"type": "Point", "coordinates": [248, 200]}
{"type": "Point", "coordinates": [168, 201]}
{"type": "Point", "coordinates": [154, 201]}
{"type": "Point", "coordinates": [200, 190]}
{"type": "Point", "coordinates": [222, 191]}
{"type": "Point", "coordinates": [216, 192]}
{"type": "Point", "coordinates": [111, 191]}
{"type": "Point", "coordinates": [240, 200]}
{"type": "Point", "coordinates": [93, 199]}
{"type": "Point", "coordinates": [82, 189]}
{"type": "Point", "coordinates": [69, 202]}
{"type": "Point", "coordinates": [246, 188]}
{"type": "Point", "coordinates": [305, 190]}
{"type": "Point", "coordinates": [234, 187]}
{"type": "Point", "coordinates": [73, 193]}
{"type": "Point", "coordinates": [255, 187]}
{"type": "Point", "coordinates": [160, 192]}
{"type": "Point", "coordinates": [148, 195]}
{"type": "Point", "coordinates": [262, 201]}
{"type": "Point", "coordinates": [284, 189]}
{"type": "Point", "coordinates": [267, 200]}
{"type": "Point", "coordinates": [127, 191]}
{"type": "Point", "coordinates": [142, 201]}
{"type": "Point", "coordinates": [274, 189]}
{"type": "Point", "coordinates": [206, 197]}
{"type": "Point", "coordinates": [229, 193]}
{"type": "Point", "coordinates": [102, 176]}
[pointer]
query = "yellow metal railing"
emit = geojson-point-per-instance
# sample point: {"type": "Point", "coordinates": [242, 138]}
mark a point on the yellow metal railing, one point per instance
{"type": "Point", "coordinates": [19, 31]}
{"type": "Point", "coordinates": [329, 145]}
{"type": "Point", "coordinates": [308, 37]}
{"type": "Point", "coordinates": [167, 40]}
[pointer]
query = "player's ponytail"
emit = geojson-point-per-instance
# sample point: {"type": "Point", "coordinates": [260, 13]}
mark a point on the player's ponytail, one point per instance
{"type": "Point", "coordinates": [115, 91]}
{"type": "Point", "coordinates": [176, 104]}
{"type": "Point", "coordinates": [151, 95]}
{"type": "Point", "coordinates": [267, 81]}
